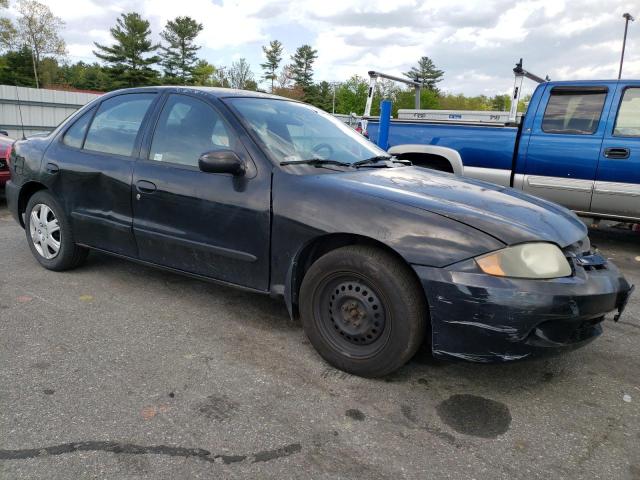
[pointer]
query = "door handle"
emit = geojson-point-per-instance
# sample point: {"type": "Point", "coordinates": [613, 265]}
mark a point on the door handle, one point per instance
{"type": "Point", "coordinates": [619, 153]}
{"type": "Point", "coordinates": [52, 168]}
{"type": "Point", "coordinates": [144, 186]}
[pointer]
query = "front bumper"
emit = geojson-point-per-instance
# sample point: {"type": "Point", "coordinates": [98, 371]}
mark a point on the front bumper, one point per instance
{"type": "Point", "coordinates": [483, 318]}
{"type": "Point", "coordinates": [5, 175]}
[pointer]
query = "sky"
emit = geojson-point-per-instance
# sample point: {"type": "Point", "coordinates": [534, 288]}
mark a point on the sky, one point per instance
{"type": "Point", "coordinates": [475, 42]}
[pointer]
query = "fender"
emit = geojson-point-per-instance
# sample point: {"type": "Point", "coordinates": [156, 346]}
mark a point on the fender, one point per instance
{"type": "Point", "coordinates": [449, 154]}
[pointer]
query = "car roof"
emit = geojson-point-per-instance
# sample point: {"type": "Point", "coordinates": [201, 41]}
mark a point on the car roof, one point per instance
{"type": "Point", "coordinates": [217, 92]}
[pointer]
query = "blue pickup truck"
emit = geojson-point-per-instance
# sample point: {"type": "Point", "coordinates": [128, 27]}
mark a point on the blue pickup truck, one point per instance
{"type": "Point", "coordinates": [578, 144]}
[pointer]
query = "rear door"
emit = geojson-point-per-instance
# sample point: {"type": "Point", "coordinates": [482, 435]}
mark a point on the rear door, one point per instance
{"type": "Point", "coordinates": [89, 166]}
{"type": "Point", "coordinates": [564, 145]}
{"type": "Point", "coordinates": [210, 224]}
{"type": "Point", "coordinates": [617, 186]}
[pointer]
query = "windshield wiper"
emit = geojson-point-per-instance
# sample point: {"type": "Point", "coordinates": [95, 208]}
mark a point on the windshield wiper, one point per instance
{"type": "Point", "coordinates": [372, 161]}
{"type": "Point", "coordinates": [316, 162]}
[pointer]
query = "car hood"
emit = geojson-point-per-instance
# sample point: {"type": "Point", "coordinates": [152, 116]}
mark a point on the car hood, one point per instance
{"type": "Point", "coordinates": [504, 213]}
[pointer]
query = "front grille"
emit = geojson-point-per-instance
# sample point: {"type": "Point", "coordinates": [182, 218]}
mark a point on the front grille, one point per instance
{"type": "Point", "coordinates": [3, 164]}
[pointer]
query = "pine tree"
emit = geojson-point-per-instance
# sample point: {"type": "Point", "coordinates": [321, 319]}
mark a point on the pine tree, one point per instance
{"type": "Point", "coordinates": [127, 60]}
{"type": "Point", "coordinates": [273, 53]}
{"type": "Point", "coordinates": [302, 66]}
{"type": "Point", "coordinates": [426, 72]}
{"type": "Point", "coordinates": [179, 55]}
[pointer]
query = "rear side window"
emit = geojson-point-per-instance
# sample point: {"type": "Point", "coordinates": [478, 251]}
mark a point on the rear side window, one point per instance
{"type": "Point", "coordinates": [117, 122]}
{"type": "Point", "coordinates": [75, 135]}
{"type": "Point", "coordinates": [628, 121]}
{"type": "Point", "coordinates": [574, 111]}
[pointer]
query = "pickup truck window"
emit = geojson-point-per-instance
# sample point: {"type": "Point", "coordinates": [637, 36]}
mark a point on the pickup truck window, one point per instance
{"type": "Point", "coordinates": [628, 121]}
{"type": "Point", "coordinates": [573, 111]}
{"type": "Point", "coordinates": [115, 127]}
{"type": "Point", "coordinates": [186, 129]}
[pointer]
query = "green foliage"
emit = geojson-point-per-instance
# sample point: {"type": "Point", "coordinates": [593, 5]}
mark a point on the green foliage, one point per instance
{"type": "Point", "coordinates": [426, 72]}
{"type": "Point", "coordinates": [320, 95]}
{"type": "Point", "coordinates": [129, 65]}
{"type": "Point", "coordinates": [16, 68]}
{"type": "Point", "coordinates": [351, 96]}
{"type": "Point", "coordinates": [179, 55]}
{"type": "Point", "coordinates": [302, 65]}
{"type": "Point", "coordinates": [203, 73]}
{"type": "Point", "coordinates": [273, 54]}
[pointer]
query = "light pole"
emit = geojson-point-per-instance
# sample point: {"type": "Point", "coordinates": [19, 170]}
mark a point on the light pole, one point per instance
{"type": "Point", "coordinates": [627, 17]}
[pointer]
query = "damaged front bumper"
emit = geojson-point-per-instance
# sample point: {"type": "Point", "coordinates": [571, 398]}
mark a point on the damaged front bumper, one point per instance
{"type": "Point", "coordinates": [484, 318]}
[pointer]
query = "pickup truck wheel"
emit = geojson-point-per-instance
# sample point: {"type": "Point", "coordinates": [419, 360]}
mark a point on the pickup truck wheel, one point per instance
{"type": "Point", "coordinates": [49, 234]}
{"type": "Point", "coordinates": [363, 310]}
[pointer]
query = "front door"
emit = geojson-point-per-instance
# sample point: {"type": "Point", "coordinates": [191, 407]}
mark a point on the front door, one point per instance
{"type": "Point", "coordinates": [617, 188]}
{"type": "Point", "coordinates": [210, 224]}
{"type": "Point", "coordinates": [564, 145]}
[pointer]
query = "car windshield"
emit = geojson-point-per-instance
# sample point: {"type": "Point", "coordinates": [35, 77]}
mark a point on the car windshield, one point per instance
{"type": "Point", "coordinates": [294, 132]}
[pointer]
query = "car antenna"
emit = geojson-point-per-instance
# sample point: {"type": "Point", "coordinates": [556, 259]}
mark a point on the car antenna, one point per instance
{"type": "Point", "coordinates": [20, 110]}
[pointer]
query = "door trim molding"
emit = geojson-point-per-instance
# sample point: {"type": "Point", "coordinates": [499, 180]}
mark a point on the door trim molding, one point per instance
{"type": "Point", "coordinates": [222, 251]}
{"type": "Point", "coordinates": [560, 183]}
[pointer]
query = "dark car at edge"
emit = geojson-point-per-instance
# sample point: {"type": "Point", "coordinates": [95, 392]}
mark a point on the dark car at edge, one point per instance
{"type": "Point", "coordinates": [375, 256]}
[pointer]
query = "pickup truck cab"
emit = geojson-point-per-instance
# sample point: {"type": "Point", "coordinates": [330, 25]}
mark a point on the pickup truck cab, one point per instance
{"type": "Point", "coordinates": [578, 144]}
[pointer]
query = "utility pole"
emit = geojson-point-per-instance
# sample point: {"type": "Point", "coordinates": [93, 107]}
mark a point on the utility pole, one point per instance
{"type": "Point", "coordinates": [627, 17]}
{"type": "Point", "coordinates": [333, 107]}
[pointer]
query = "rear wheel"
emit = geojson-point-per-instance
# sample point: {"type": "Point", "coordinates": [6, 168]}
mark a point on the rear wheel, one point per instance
{"type": "Point", "coordinates": [49, 234]}
{"type": "Point", "coordinates": [363, 310]}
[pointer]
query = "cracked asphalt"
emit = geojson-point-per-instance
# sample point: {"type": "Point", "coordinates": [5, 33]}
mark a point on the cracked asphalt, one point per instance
{"type": "Point", "coordinates": [120, 371]}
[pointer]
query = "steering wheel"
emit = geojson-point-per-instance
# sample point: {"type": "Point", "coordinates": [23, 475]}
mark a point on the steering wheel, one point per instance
{"type": "Point", "coordinates": [317, 149]}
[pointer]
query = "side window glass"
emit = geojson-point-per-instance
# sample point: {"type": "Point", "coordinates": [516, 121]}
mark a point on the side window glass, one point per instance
{"type": "Point", "coordinates": [628, 121]}
{"type": "Point", "coordinates": [573, 111]}
{"type": "Point", "coordinates": [186, 129]}
{"type": "Point", "coordinates": [115, 127]}
{"type": "Point", "coordinates": [75, 135]}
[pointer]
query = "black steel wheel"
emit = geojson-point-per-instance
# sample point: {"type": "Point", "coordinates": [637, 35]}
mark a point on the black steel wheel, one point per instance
{"type": "Point", "coordinates": [363, 310]}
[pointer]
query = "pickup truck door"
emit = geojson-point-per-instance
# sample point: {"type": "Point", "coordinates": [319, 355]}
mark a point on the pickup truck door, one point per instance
{"type": "Point", "coordinates": [209, 224]}
{"type": "Point", "coordinates": [617, 186]}
{"type": "Point", "coordinates": [564, 144]}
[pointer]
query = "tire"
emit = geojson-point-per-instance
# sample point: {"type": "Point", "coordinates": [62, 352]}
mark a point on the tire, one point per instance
{"type": "Point", "coordinates": [363, 310]}
{"type": "Point", "coordinates": [50, 227]}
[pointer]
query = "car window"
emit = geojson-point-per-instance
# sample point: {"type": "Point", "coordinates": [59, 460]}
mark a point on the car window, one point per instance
{"type": "Point", "coordinates": [573, 111]}
{"type": "Point", "coordinates": [292, 131]}
{"type": "Point", "coordinates": [75, 135]}
{"type": "Point", "coordinates": [628, 121]}
{"type": "Point", "coordinates": [115, 127]}
{"type": "Point", "coordinates": [186, 129]}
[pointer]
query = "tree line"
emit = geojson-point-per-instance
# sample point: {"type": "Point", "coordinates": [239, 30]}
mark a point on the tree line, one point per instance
{"type": "Point", "coordinates": [35, 55]}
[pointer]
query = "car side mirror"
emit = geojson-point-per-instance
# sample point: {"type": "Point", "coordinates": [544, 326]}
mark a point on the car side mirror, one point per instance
{"type": "Point", "coordinates": [221, 161]}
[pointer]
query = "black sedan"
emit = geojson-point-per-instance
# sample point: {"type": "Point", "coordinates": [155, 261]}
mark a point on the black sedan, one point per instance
{"type": "Point", "coordinates": [374, 255]}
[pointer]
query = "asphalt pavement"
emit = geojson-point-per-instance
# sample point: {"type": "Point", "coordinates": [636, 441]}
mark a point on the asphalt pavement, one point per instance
{"type": "Point", "coordinates": [120, 371]}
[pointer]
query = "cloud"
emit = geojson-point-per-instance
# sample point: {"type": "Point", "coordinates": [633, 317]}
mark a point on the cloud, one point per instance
{"type": "Point", "coordinates": [476, 42]}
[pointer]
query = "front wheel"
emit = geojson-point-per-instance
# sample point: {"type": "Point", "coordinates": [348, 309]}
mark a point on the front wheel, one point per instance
{"type": "Point", "coordinates": [363, 310]}
{"type": "Point", "coordinates": [49, 234]}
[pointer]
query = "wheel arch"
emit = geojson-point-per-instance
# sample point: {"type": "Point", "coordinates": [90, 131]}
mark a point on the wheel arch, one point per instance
{"type": "Point", "coordinates": [26, 192]}
{"type": "Point", "coordinates": [431, 156]}
{"type": "Point", "coordinates": [321, 245]}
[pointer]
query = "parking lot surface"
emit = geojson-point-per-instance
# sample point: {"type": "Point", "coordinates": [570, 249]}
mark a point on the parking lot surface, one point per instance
{"type": "Point", "coordinates": [116, 370]}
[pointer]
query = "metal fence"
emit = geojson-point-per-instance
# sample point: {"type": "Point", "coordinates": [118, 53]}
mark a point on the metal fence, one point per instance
{"type": "Point", "coordinates": [42, 109]}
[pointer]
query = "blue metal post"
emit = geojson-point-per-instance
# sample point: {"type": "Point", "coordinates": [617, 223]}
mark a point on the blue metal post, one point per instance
{"type": "Point", "coordinates": [385, 120]}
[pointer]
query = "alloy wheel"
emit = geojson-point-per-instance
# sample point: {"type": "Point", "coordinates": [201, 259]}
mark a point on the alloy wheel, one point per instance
{"type": "Point", "coordinates": [45, 231]}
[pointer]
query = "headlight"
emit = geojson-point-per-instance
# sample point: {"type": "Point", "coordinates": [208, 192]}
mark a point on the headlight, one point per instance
{"type": "Point", "coordinates": [528, 260]}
